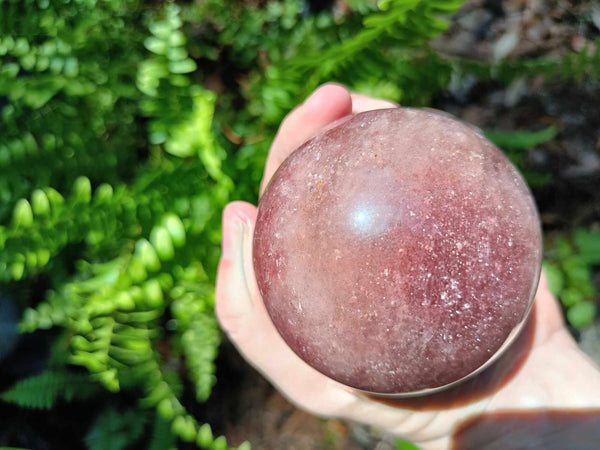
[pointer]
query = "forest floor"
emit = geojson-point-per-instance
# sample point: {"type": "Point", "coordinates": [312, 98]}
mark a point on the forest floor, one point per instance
{"type": "Point", "coordinates": [245, 407]}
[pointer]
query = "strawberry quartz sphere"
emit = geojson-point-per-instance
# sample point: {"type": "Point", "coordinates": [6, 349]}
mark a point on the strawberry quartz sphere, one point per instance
{"type": "Point", "coordinates": [398, 252]}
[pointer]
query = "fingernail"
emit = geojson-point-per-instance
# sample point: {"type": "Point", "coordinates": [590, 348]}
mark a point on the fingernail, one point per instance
{"type": "Point", "coordinates": [316, 95]}
{"type": "Point", "coordinates": [234, 226]}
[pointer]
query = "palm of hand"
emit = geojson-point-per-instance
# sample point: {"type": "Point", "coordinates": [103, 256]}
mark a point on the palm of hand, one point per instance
{"type": "Point", "coordinates": [243, 316]}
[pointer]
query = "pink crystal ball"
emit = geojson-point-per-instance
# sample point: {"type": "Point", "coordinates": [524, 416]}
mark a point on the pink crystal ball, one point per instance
{"type": "Point", "coordinates": [398, 252]}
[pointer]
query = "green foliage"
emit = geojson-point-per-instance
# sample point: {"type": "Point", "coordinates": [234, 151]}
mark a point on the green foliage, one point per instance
{"type": "Point", "coordinates": [390, 40]}
{"type": "Point", "coordinates": [116, 160]}
{"type": "Point", "coordinates": [199, 340]}
{"type": "Point", "coordinates": [162, 438]}
{"type": "Point", "coordinates": [582, 314]}
{"type": "Point", "coordinates": [114, 430]}
{"type": "Point", "coordinates": [139, 224]}
{"type": "Point", "coordinates": [579, 66]}
{"type": "Point", "coordinates": [569, 267]}
{"type": "Point", "coordinates": [401, 444]}
{"type": "Point", "coordinates": [521, 140]}
{"type": "Point", "coordinates": [43, 390]}
{"type": "Point", "coordinates": [69, 100]}
{"type": "Point", "coordinates": [514, 142]}
{"type": "Point", "coordinates": [587, 243]}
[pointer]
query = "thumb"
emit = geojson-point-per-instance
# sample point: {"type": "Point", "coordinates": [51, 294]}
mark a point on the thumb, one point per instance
{"type": "Point", "coordinates": [244, 317]}
{"type": "Point", "coordinates": [236, 290]}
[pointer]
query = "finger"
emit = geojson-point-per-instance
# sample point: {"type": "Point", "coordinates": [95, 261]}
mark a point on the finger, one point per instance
{"type": "Point", "coordinates": [234, 297]}
{"type": "Point", "coordinates": [362, 103]}
{"type": "Point", "coordinates": [327, 104]}
{"type": "Point", "coordinates": [239, 306]}
{"type": "Point", "coordinates": [549, 316]}
{"type": "Point", "coordinates": [243, 316]}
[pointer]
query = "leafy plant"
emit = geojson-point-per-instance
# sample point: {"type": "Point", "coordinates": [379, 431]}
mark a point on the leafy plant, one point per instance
{"type": "Point", "coordinates": [402, 444]}
{"type": "Point", "coordinates": [521, 140]}
{"type": "Point", "coordinates": [115, 430]}
{"type": "Point", "coordinates": [116, 160]}
{"type": "Point", "coordinates": [579, 66]}
{"type": "Point", "coordinates": [569, 267]}
{"type": "Point", "coordinates": [139, 223]}
{"type": "Point", "coordinates": [515, 142]}
{"type": "Point", "coordinates": [390, 41]}
{"type": "Point", "coordinates": [43, 390]}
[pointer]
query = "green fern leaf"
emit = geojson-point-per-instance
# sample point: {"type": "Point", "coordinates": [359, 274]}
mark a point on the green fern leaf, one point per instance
{"type": "Point", "coordinates": [114, 430]}
{"type": "Point", "coordinates": [43, 390]}
{"type": "Point", "coordinates": [521, 140]}
{"type": "Point", "coordinates": [200, 344]}
{"type": "Point", "coordinates": [162, 437]}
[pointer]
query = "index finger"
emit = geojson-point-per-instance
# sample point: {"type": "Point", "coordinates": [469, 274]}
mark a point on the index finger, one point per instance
{"type": "Point", "coordinates": [327, 104]}
{"type": "Point", "coordinates": [362, 103]}
{"type": "Point", "coordinates": [323, 109]}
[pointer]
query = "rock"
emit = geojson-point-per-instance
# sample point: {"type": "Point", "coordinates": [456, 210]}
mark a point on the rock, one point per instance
{"type": "Point", "coordinates": [398, 251]}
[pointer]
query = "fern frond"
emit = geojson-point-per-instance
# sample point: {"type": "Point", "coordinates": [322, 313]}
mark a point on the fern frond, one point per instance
{"type": "Point", "coordinates": [520, 140]}
{"type": "Point", "coordinates": [47, 222]}
{"type": "Point", "coordinates": [400, 25]}
{"type": "Point", "coordinates": [43, 390]}
{"type": "Point", "coordinates": [160, 394]}
{"type": "Point", "coordinates": [200, 339]}
{"type": "Point", "coordinates": [162, 437]}
{"type": "Point", "coordinates": [115, 430]}
{"type": "Point", "coordinates": [50, 80]}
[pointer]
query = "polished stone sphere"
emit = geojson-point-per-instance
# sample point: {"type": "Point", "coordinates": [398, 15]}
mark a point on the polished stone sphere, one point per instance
{"type": "Point", "coordinates": [397, 252]}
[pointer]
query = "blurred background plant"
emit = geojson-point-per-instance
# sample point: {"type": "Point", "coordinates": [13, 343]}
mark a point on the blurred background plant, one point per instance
{"type": "Point", "coordinates": [128, 125]}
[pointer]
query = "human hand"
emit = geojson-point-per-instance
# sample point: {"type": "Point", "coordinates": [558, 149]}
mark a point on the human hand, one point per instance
{"type": "Point", "coordinates": [549, 370]}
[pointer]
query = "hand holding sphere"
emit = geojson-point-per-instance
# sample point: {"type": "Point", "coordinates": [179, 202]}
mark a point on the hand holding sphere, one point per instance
{"type": "Point", "coordinates": [552, 374]}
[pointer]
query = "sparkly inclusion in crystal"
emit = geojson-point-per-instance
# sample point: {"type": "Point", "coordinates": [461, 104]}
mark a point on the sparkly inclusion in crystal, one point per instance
{"type": "Point", "coordinates": [398, 251]}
